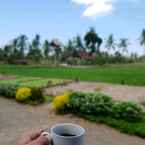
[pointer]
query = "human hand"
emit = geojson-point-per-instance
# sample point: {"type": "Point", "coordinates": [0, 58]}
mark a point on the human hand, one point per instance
{"type": "Point", "coordinates": [34, 138]}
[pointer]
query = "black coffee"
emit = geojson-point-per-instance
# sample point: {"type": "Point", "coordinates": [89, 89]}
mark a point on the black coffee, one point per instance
{"type": "Point", "coordinates": [67, 135]}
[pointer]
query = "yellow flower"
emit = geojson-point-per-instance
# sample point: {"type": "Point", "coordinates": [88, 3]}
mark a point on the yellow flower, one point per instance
{"type": "Point", "coordinates": [22, 94]}
{"type": "Point", "coordinates": [60, 101]}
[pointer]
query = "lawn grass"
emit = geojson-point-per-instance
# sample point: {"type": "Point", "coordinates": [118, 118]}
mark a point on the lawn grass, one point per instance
{"type": "Point", "coordinates": [130, 75]}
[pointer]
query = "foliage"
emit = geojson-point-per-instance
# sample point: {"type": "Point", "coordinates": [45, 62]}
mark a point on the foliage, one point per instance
{"type": "Point", "coordinates": [48, 99]}
{"type": "Point", "coordinates": [91, 39]}
{"type": "Point", "coordinates": [129, 111]}
{"type": "Point", "coordinates": [8, 90]}
{"type": "Point", "coordinates": [91, 103]}
{"type": "Point", "coordinates": [142, 41]}
{"type": "Point", "coordinates": [22, 51]}
{"type": "Point", "coordinates": [60, 102]}
{"type": "Point", "coordinates": [133, 128]}
{"type": "Point", "coordinates": [110, 42]}
{"type": "Point", "coordinates": [36, 96]}
{"type": "Point", "coordinates": [23, 94]}
{"type": "Point", "coordinates": [26, 95]}
{"type": "Point", "coordinates": [33, 82]}
{"type": "Point", "coordinates": [127, 117]}
{"type": "Point", "coordinates": [103, 105]}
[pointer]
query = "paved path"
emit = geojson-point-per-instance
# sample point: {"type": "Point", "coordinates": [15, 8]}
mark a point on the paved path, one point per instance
{"type": "Point", "coordinates": [16, 119]}
{"type": "Point", "coordinates": [119, 92]}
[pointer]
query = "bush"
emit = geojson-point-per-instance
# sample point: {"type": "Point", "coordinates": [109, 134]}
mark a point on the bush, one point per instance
{"type": "Point", "coordinates": [60, 102]}
{"type": "Point", "coordinates": [8, 91]}
{"type": "Point", "coordinates": [36, 96]}
{"type": "Point", "coordinates": [91, 103]}
{"type": "Point", "coordinates": [128, 117]}
{"type": "Point", "coordinates": [129, 111]}
{"type": "Point", "coordinates": [23, 94]}
{"type": "Point", "coordinates": [103, 105]}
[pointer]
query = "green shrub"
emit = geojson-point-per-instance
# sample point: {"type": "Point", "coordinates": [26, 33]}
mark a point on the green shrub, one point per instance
{"type": "Point", "coordinates": [36, 96]}
{"type": "Point", "coordinates": [8, 90]}
{"type": "Point", "coordinates": [128, 117]}
{"type": "Point", "coordinates": [103, 105]}
{"type": "Point", "coordinates": [91, 103]}
{"type": "Point", "coordinates": [129, 111]}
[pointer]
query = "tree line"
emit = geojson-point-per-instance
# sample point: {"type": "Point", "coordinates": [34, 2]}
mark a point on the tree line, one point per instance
{"type": "Point", "coordinates": [79, 50]}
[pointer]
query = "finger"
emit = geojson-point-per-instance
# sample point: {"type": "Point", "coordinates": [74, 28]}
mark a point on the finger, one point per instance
{"type": "Point", "coordinates": [30, 136]}
{"type": "Point", "coordinates": [41, 140]}
{"type": "Point", "coordinates": [35, 134]}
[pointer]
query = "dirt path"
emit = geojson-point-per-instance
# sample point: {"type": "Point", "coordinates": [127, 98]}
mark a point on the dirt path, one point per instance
{"type": "Point", "coordinates": [4, 77]}
{"type": "Point", "coordinates": [118, 92]}
{"type": "Point", "coordinates": [16, 118]}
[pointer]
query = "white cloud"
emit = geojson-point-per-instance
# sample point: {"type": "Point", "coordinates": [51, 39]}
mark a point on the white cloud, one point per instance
{"type": "Point", "coordinates": [96, 7]}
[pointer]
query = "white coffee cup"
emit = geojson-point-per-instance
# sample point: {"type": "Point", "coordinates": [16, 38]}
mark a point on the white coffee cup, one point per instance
{"type": "Point", "coordinates": [66, 134]}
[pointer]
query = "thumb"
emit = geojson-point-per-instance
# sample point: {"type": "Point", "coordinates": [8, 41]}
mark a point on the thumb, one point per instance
{"type": "Point", "coordinates": [41, 140]}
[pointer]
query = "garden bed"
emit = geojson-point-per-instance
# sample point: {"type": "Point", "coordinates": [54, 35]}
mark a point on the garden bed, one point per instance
{"type": "Point", "coordinates": [127, 117]}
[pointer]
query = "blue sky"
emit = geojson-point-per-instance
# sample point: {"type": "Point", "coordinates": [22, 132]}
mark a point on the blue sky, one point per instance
{"type": "Point", "coordinates": [64, 19]}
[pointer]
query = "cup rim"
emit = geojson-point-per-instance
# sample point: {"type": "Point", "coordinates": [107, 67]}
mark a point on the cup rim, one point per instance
{"type": "Point", "coordinates": [75, 125]}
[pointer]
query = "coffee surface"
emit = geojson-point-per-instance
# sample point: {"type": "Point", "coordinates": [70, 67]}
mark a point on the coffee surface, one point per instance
{"type": "Point", "coordinates": [67, 135]}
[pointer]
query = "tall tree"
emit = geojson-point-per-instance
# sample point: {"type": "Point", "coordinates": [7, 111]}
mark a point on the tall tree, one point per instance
{"type": "Point", "coordinates": [91, 39]}
{"type": "Point", "coordinates": [1, 54]}
{"type": "Point", "coordinates": [123, 44]}
{"type": "Point", "coordinates": [7, 52]}
{"type": "Point", "coordinates": [56, 44]}
{"type": "Point", "coordinates": [69, 47]}
{"type": "Point", "coordinates": [36, 42]}
{"type": "Point", "coordinates": [16, 53]}
{"type": "Point", "coordinates": [46, 49]}
{"type": "Point", "coordinates": [110, 42]}
{"type": "Point", "coordinates": [34, 49]}
{"type": "Point", "coordinates": [22, 44]}
{"type": "Point", "coordinates": [79, 43]}
{"type": "Point", "coordinates": [142, 40]}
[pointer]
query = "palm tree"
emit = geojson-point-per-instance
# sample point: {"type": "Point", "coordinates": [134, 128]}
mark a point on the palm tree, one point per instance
{"type": "Point", "coordinates": [123, 43]}
{"type": "Point", "coordinates": [142, 41]}
{"type": "Point", "coordinates": [46, 48]}
{"type": "Point", "coordinates": [14, 46]}
{"type": "Point", "coordinates": [110, 42]}
{"type": "Point", "coordinates": [36, 42]}
{"type": "Point", "coordinates": [35, 51]}
{"type": "Point", "coordinates": [1, 54]}
{"type": "Point", "coordinates": [79, 43]}
{"type": "Point", "coordinates": [91, 39]}
{"type": "Point", "coordinates": [22, 44]}
{"type": "Point", "coordinates": [70, 47]}
{"type": "Point", "coordinates": [7, 52]}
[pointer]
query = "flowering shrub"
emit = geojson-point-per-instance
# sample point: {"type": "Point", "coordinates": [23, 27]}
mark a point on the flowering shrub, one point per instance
{"type": "Point", "coordinates": [60, 102]}
{"type": "Point", "coordinates": [23, 94]}
{"type": "Point", "coordinates": [103, 105]}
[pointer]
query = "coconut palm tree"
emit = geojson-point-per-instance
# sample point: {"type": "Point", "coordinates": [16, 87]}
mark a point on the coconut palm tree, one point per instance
{"type": "Point", "coordinates": [110, 42]}
{"type": "Point", "coordinates": [123, 44]}
{"type": "Point", "coordinates": [46, 48]}
{"type": "Point", "coordinates": [21, 42]}
{"type": "Point", "coordinates": [142, 40]}
{"type": "Point", "coordinates": [35, 51]}
{"type": "Point", "coordinates": [78, 42]}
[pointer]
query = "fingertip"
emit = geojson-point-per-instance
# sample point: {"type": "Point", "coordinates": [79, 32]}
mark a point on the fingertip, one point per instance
{"type": "Point", "coordinates": [42, 140]}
